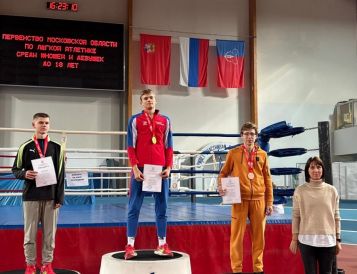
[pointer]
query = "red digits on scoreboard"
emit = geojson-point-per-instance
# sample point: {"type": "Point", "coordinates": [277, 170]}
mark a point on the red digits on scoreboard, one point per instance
{"type": "Point", "coordinates": [74, 7]}
{"type": "Point", "coordinates": [52, 5]}
{"type": "Point", "coordinates": [62, 6]}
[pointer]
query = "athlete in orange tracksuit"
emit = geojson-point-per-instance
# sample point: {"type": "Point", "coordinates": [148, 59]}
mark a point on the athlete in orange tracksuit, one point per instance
{"type": "Point", "coordinates": [250, 164]}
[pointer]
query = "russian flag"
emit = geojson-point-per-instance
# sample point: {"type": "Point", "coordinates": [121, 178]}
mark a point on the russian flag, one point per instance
{"type": "Point", "coordinates": [230, 61]}
{"type": "Point", "coordinates": [193, 62]}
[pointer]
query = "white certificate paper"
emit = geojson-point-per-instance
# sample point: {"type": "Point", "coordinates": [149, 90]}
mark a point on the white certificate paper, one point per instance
{"type": "Point", "coordinates": [232, 187]}
{"type": "Point", "coordinates": [152, 178]}
{"type": "Point", "coordinates": [46, 171]}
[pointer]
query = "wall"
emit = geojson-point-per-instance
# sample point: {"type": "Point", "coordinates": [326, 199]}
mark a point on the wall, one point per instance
{"type": "Point", "coordinates": [206, 110]}
{"type": "Point", "coordinates": [191, 109]}
{"type": "Point", "coordinates": [306, 59]}
{"type": "Point", "coordinates": [306, 64]}
{"type": "Point", "coordinates": [70, 109]}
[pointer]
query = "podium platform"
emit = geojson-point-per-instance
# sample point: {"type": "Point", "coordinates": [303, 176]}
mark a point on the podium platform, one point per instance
{"type": "Point", "coordinates": [145, 262]}
{"type": "Point", "coordinates": [85, 233]}
{"type": "Point", "coordinates": [57, 271]}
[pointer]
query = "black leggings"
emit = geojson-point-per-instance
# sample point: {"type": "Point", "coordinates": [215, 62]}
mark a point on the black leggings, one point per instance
{"type": "Point", "coordinates": [321, 256]}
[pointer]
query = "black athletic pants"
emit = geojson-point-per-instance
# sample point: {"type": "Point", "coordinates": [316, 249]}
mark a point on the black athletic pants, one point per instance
{"type": "Point", "coordinates": [315, 258]}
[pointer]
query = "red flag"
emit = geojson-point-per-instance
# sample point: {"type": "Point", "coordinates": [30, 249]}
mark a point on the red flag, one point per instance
{"type": "Point", "coordinates": [155, 59]}
{"type": "Point", "coordinates": [230, 63]}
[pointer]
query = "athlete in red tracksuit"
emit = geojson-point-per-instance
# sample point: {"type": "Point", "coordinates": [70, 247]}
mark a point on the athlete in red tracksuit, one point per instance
{"type": "Point", "coordinates": [149, 142]}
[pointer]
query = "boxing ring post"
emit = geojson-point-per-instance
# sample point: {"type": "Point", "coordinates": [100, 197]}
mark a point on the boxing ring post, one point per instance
{"type": "Point", "coordinates": [192, 181]}
{"type": "Point", "coordinates": [325, 149]}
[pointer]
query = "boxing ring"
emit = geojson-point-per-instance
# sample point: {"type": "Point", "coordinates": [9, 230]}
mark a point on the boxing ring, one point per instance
{"type": "Point", "coordinates": [197, 223]}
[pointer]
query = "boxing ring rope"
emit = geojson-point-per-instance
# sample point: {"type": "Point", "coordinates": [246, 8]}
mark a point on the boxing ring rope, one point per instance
{"type": "Point", "coordinates": [111, 172]}
{"type": "Point", "coordinates": [87, 132]}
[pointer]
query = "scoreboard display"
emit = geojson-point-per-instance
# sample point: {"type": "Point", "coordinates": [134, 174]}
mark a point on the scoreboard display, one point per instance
{"type": "Point", "coordinates": [61, 53]}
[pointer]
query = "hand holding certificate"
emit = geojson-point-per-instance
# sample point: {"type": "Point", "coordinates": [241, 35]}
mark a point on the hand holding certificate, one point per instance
{"type": "Point", "coordinates": [232, 190]}
{"type": "Point", "coordinates": [45, 169]}
{"type": "Point", "coordinates": [152, 178]}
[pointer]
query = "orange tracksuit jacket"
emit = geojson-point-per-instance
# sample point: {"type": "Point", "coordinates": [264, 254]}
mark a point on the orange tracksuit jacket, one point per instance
{"type": "Point", "coordinates": [256, 194]}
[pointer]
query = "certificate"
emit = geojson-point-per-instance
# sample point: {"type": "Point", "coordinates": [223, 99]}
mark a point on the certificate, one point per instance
{"type": "Point", "coordinates": [232, 187]}
{"type": "Point", "coordinates": [45, 169]}
{"type": "Point", "coordinates": [152, 178]}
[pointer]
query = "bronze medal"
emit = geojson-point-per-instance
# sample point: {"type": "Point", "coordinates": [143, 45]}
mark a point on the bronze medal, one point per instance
{"type": "Point", "coordinates": [153, 140]}
{"type": "Point", "coordinates": [250, 175]}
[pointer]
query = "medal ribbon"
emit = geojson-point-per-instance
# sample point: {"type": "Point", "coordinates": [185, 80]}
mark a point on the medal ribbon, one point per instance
{"type": "Point", "coordinates": [250, 157]}
{"type": "Point", "coordinates": [42, 155]}
{"type": "Point", "coordinates": [151, 123]}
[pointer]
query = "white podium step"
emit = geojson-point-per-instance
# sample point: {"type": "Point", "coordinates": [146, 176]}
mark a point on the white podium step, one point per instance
{"type": "Point", "coordinates": [145, 263]}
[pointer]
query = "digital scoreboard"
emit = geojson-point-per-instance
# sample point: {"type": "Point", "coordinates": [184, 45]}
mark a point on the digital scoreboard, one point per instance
{"type": "Point", "coordinates": [62, 6]}
{"type": "Point", "coordinates": [61, 53]}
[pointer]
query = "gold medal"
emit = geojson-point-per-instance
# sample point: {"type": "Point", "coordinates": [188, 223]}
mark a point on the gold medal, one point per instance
{"type": "Point", "coordinates": [250, 175]}
{"type": "Point", "coordinates": [153, 140]}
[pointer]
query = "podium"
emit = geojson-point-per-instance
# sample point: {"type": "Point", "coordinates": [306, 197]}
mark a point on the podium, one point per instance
{"type": "Point", "coordinates": [57, 271]}
{"type": "Point", "coordinates": [145, 263]}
